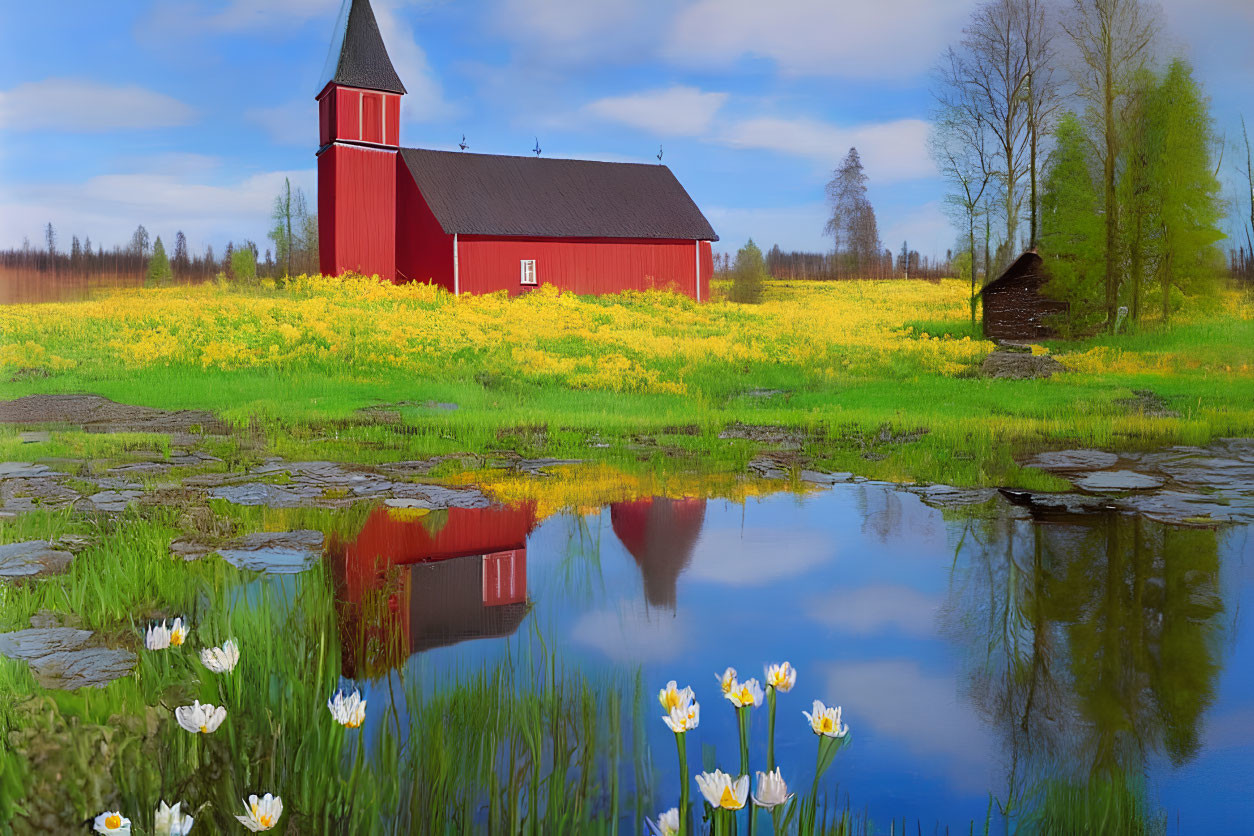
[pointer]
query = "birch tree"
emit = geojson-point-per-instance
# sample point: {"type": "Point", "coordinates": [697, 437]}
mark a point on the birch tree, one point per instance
{"type": "Point", "coordinates": [1114, 40]}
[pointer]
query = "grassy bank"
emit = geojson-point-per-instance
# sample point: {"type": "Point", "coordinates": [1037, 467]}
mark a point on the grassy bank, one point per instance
{"type": "Point", "coordinates": [880, 378]}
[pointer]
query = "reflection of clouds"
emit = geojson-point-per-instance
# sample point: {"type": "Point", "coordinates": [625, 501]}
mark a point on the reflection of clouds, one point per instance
{"type": "Point", "coordinates": [755, 556]}
{"type": "Point", "coordinates": [632, 633]}
{"type": "Point", "coordinates": [895, 698]}
{"type": "Point", "coordinates": [1230, 730]}
{"type": "Point", "coordinates": [872, 609]}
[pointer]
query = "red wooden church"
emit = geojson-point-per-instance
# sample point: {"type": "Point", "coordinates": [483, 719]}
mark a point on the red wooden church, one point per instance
{"type": "Point", "coordinates": [476, 223]}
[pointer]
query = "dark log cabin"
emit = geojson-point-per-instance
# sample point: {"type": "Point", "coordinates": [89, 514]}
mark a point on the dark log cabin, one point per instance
{"type": "Point", "coordinates": [1014, 306]}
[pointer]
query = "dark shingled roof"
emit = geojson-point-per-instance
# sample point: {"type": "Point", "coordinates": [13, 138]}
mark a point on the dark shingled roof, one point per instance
{"type": "Point", "coordinates": [1027, 264]}
{"type": "Point", "coordinates": [485, 194]}
{"type": "Point", "coordinates": [363, 58]}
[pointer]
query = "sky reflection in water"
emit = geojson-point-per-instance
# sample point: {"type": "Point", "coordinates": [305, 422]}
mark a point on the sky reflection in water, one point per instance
{"type": "Point", "coordinates": [971, 656]}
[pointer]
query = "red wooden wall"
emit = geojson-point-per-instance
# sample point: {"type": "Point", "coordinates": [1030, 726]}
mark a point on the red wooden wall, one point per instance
{"type": "Point", "coordinates": [347, 113]}
{"type": "Point", "coordinates": [357, 211]}
{"type": "Point", "coordinates": [424, 253]}
{"type": "Point", "coordinates": [581, 265]}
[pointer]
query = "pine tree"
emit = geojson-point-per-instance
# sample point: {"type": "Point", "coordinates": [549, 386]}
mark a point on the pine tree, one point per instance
{"type": "Point", "coordinates": [852, 224]}
{"type": "Point", "coordinates": [1071, 226]}
{"type": "Point", "coordinates": [158, 266]}
{"type": "Point", "coordinates": [1184, 194]}
{"type": "Point", "coordinates": [180, 261]}
{"type": "Point", "coordinates": [748, 275]}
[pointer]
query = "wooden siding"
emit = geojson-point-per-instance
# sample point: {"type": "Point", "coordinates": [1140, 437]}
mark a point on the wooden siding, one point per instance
{"type": "Point", "coordinates": [581, 265]}
{"type": "Point", "coordinates": [424, 253]}
{"type": "Point", "coordinates": [1017, 310]}
{"type": "Point", "coordinates": [357, 211]}
{"type": "Point", "coordinates": [352, 115]}
{"type": "Point", "coordinates": [707, 269]}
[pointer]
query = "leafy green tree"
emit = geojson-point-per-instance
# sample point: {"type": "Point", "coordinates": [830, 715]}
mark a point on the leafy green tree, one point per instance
{"type": "Point", "coordinates": [748, 275]}
{"type": "Point", "coordinates": [244, 265]}
{"type": "Point", "coordinates": [1134, 189]}
{"type": "Point", "coordinates": [1184, 193]}
{"type": "Point", "coordinates": [1072, 234]}
{"type": "Point", "coordinates": [158, 266]}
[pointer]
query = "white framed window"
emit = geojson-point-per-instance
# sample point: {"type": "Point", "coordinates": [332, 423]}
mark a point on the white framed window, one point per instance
{"type": "Point", "coordinates": [528, 271]}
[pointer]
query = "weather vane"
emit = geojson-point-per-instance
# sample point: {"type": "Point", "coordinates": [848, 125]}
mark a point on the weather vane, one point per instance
{"type": "Point", "coordinates": [462, 145]}
{"type": "Point", "coordinates": [536, 150]}
{"type": "Point", "coordinates": [659, 153]}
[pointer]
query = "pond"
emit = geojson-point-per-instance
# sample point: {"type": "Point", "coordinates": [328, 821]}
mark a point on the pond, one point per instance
{"type": "Point", "coordinates": [992, 666]}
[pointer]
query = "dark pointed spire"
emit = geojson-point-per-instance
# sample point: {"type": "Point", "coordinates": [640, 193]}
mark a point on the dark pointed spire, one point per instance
{"type": "Point", "coordinates": [363, 59]}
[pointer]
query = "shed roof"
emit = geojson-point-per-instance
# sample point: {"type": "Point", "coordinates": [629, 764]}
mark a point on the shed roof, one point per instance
{"type": "Point", "coordinates": [358, 56]}
{"type": "Point", "coordinates": [487, 194]}
{"type": "Point", "coordinates": [1028, 264]}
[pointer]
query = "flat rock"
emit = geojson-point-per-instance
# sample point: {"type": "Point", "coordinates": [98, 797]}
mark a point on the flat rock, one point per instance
{"type": "Point", "coordinates": [64, 657]}
{"type": "Point", "coordinates": [1117, 481]}
{"type": "Point", "coordinates": [1017, 366]}
{"type": "Point", "coordinates": [948, 496]}
{"type": "Point", "coordinates": [98, 414]}
{"type": "Point", "coordinates": [189, 549]}
{"type": "Point", "coordinates": [114, 501]}
{"type": "Point", "coordinates": [1073, 460]}
{"type": "Point", "coordinates": [275, 552]}
{"type": "Point", "coordinates": [32, 559]}
{"type": "Point", "coordinates": [21, 470]}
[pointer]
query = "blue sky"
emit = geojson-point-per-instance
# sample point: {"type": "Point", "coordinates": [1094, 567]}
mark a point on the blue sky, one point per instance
{"type": "Point", "coordinates": [188, 114]}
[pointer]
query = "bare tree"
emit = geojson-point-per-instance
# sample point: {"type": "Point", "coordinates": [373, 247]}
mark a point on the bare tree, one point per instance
{"type": "Point", "coordinates": [991, 68]}
{"type": "Point", "coordinates": [959, 143]}
{"type": "Point", "coordinates": [1036, 35]}
{"type": "Point", "coordinates": [1114, 40]}
{"type": "Point", "coordinates": [1249, 173]}
{"type": "Point", "coordinates": [852, 224]}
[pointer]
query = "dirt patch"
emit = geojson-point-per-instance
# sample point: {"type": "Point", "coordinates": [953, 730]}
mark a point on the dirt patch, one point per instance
{"type": "Point", "coordinates": [1015, 365]}
{"type": "Point", "coordinates": [1148, 404]}
{"type": "Point", "coordinates": [784, 437]}
{"type": "Point", "coordinates": [96, 414]}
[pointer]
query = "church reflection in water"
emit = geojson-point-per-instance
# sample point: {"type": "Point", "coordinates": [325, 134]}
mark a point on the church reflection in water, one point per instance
{"type": "Point", "coordinates": [412, 581]}
{"type": "Point", "coordinates": [416, 580]}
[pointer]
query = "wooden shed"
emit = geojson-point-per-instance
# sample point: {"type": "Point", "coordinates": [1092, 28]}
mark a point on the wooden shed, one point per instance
{"type": "Point", "coordinates": [1014, 306]}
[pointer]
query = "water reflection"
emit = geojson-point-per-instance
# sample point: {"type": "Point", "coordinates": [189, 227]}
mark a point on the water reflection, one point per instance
{"type": "Point", "coordinates": [1057, 666]}
{"type": "Point", "coordinates": [659, 534]}
{"type": "Point", "coordinates": [1092, 646]}
{"type": "Point", "coordinates": [412, 581]}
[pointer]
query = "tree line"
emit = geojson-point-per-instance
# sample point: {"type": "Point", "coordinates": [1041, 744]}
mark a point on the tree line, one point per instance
{"type": "Point", "coordinates": [1057, 127]}
{"type": "Point", "coordinates": [294, 235]}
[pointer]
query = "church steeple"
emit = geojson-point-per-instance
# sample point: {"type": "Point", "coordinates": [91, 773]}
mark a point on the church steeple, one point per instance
{"type": "Point", "coordinates": [358, 56]}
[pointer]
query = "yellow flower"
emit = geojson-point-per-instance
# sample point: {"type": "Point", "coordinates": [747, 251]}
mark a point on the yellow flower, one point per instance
{"type": "Point", "coordinates": [781, 677]}
{"type": "Point", "coordinates": [111, 823]}
{"type": "Point", "coordinates": [350, 711]}
{"type": "Point", "coordinates": [263, 813]}
{"type": "Point", "coordinates": [671, 695]}
{"type": "Point", "coordinates": [745, 694]}
{"type": "Point", "coordinates": [178, 633]}
{"type": "Point", "coordinates": [826, 721]}
{"type": "Point", "coordinates": [721, 791]}
{"type": "Point", "coordinates": [727, 679]}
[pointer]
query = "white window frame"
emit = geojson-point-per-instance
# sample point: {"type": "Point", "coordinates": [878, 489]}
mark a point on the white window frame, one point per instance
{"type": "Point", "coordinates": [527, 272]}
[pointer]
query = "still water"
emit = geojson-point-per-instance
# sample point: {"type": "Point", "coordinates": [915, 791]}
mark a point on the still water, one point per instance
{"type": "Point", "coordinates": [980, 659]}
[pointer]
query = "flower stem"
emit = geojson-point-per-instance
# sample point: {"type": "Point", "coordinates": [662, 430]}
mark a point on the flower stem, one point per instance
{"type": "Point", "coordinates": [743, 716]}
{"type": "Point", "coordinates": [683, 783]}
{"type": "Point", "coordinates": [770, 729]}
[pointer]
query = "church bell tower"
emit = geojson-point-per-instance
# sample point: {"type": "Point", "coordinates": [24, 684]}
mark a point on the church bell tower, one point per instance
{"type": "Point", "coordinates": [359, 110]}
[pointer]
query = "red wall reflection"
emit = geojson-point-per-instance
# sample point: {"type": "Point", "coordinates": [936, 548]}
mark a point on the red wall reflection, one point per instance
{"type": "Point", "coordinates": [408, 583]}
{"type": "Point", "coordinates": [659, 534]}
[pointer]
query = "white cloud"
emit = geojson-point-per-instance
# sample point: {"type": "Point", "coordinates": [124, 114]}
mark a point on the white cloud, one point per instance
{"type": "Point", "coordinates": [108, 207]}
{"type": "Point", "coordinates": [673, 111]}
{"type": "Point", "coordinates": [890, 151]}
{"type": "Point", "coordinates": [633, 633]}
{"type": "Point", "coordinates": [80, 105]}
{"type": "Point", "coordinates": [922, 711]}
{"type": "Point", "coordinates": [886, 39]}
{"type": "Point", "coordinates": [870, 610]}
{"type": "Point", "coordinates": [565, 32]}
{"type": "Point", "coordinates": [735, 557]}
{"type": "Point", "coordinates": [294, 123]}
{"type": "Point", "coordinates": [425, 100]}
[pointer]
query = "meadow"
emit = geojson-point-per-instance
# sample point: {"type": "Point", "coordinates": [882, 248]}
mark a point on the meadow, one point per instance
{"type": "Point", "coordinates": [880, 378]}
